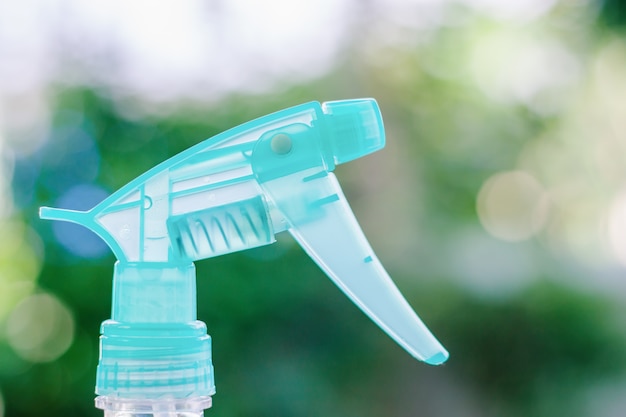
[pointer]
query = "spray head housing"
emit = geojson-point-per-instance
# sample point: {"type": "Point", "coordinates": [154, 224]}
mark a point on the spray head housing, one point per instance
{"type": "Point", "coordinates": [232, 192]}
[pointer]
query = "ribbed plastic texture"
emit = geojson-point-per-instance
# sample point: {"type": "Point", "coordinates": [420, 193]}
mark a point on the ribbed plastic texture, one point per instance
{"type": "Point", "coordinates": [153, 346]}
{"type": "Point", "coordinates": [229, 193]}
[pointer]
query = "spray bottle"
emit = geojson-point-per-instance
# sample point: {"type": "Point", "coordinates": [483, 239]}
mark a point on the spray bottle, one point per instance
{"type": "Point", "coordinates": [232, 192]}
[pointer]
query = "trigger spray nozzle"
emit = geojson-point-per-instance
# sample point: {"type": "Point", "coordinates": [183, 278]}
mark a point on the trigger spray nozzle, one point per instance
{"type": "Point", "coordinates": [232, 192]}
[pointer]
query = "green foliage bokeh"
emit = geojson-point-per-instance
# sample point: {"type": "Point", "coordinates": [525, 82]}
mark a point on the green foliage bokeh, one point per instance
{"type": "Point", "coordinates": [286, 341]}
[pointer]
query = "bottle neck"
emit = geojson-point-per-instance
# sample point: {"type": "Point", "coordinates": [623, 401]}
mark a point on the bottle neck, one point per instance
{"type": "Point", "coordinates": [153, 293]}
{"type": "Point", "coordinates": [153, 348]}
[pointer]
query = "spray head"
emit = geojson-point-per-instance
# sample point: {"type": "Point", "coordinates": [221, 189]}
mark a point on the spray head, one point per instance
{"type": "Point", "coordinates": [232, 192]}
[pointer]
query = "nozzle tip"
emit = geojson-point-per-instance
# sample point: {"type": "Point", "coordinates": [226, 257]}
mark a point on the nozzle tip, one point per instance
{"type": "Point", "coordinates": [356, 128]}
{"type": "Point", "coordinates": [438, 358]}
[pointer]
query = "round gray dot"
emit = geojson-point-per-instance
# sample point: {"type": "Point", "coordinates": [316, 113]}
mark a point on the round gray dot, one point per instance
{"type": "Point", "coordinates": [281, 144]}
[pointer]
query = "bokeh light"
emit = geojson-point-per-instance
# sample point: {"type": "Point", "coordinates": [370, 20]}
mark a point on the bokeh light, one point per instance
{"type": "Point", "coordinates": [19, 264]}
{"type": "Point", "coordinates": [77, 239]}
{"type": "Point", "coordinates": [510, 66]}
{"type": "Point", "coordinates": [71, 154]}
{"type": "Point", "coordinates": [40, 328]}
{"type": "Point", "coordinates": [512, 206]}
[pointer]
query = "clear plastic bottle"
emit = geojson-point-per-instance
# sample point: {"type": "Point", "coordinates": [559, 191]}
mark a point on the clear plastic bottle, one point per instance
{"type": "Point", "coordinates": [162, 407]}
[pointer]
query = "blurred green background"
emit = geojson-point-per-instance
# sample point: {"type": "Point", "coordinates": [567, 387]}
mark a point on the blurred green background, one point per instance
{"type": "Point", "coordinates": [498, 205]}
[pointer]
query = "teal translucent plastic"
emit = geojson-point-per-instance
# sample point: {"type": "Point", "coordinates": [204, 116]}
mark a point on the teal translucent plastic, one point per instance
{"type": "Point", "coordinates": [232, 192]}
